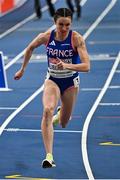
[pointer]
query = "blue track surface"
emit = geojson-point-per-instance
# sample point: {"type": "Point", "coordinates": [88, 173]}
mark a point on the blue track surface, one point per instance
{"type": "Point", "coordinates": [21, 146]}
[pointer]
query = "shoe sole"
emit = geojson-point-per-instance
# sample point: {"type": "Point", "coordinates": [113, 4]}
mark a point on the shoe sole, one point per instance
{"type": "Point", "coordinates": [47, 164]}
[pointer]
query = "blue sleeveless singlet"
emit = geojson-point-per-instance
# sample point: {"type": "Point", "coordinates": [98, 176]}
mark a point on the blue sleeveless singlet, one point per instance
{"type": "Point", "coordinates": [64, 51]}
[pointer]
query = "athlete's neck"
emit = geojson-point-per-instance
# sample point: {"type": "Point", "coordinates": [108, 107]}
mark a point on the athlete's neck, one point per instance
{"type": "Point", "coordinates": [61, 36]}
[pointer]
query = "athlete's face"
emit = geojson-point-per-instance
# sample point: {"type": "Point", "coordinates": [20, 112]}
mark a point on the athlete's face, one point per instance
{"type": "Point", "coordinates": [63, 25]}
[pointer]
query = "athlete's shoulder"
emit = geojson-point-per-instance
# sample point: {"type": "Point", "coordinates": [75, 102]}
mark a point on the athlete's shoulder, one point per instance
{"type": "Point", "coordinates": [77, 38]}
{"type": "Point", "coordinates": [47, 33]}
{"type": "Point", "coordinates": [76, 35]}
{"type": "Point", "coordinates": [44, 36]}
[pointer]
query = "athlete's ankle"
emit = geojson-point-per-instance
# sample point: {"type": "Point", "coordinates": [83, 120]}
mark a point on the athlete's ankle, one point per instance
{"type": "Point", "coordinates": [49, 156]}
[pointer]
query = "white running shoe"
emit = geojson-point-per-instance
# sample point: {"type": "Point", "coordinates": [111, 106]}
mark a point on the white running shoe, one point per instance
{"type": "Point", "coordinates": [48, 162]}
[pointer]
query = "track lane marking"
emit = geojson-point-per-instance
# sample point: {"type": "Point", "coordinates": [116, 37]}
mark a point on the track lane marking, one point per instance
{"type": "Point", "coordinates": [39, 130]}
{"type": "Point", "coordinates": [109, 144]}
{"type": "Point", "coordinates": [23, 105]}
{"type": "Point", "coordinates": [91, 112]}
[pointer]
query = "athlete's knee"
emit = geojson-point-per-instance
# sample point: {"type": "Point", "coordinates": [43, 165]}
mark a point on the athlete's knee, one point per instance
{"type": "Point", "coordinates": [48, 112]}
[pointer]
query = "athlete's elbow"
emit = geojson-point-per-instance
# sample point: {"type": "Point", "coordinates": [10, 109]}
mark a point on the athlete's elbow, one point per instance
{"type": "Point", "coordinates": [87, 68]}
{"type": "Point", "coordinates": [30, 48]}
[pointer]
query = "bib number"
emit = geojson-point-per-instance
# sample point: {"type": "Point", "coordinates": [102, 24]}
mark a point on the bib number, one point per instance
{"type": "Point", "coordinates": [76, 81]}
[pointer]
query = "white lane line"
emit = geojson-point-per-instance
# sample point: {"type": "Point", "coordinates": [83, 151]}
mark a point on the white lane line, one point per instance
{"type": "Point", "coordinates": [90, 114]}
{"type": "Point", "coordinates": [99, 89]}
{"type": "Point", "coordinates": [87, 121]}
{"type": "Point", "coordinates": [114, 87]}
{"type": "Point", "coordinates": [99, 19]}
{"type": "Point", "coordinates": [39, 130]}
{"type": "Point", "coordinates": [109, 104]}
{"type": "Point", "coordinates": [23, 105]}
{"type": "Point", "coordinates": [83, 2]}
{"type": "Point", "coordinates": [22, 22]}
{"type": "Point", "coordinates": [41, 58]}
{"type": "Point", "coordinates": [104, 42]}
{"type": "Point", "coordinates": [17, 26]}
{"type": "Point", "coordinates": [15, 59]}
{"type": "Point", "coordinates": [90, 89]}
{"type": "Point", "coordinates": [20, 54]}
{"type": "Point", "coordinates": [8, 108]}
{"type": "Point", "coordinates": [109, 26]}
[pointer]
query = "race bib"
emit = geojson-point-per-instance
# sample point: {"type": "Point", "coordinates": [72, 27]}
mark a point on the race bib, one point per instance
{"type": "Point", "coordinates": [76, 81]}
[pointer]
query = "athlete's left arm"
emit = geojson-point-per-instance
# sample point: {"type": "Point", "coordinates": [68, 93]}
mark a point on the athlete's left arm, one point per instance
{"type": "Point", "coordinates": [80, 47]}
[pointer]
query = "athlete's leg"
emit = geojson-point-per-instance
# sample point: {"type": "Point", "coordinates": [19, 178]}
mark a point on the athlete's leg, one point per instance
{"type": "Point", "coordinates": [78, 7]}
{"type": "Point", "coordinates": [70, 5]}
{"type": "Point", "coordinates": [51, 96]}
{"type": "Point", "coordinates": [37, 6]}
{"type": "Point", "coordinates": [67, 103]}
{"type": "Point", "coordinates": [51, 7]}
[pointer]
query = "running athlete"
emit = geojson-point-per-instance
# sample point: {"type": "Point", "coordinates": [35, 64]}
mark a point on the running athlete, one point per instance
{"type": "Point", "coordinates": [67, 55]}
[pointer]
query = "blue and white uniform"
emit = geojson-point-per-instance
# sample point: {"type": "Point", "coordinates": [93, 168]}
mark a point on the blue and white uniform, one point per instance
{"type": "Point", "coordinates": [64, 51]}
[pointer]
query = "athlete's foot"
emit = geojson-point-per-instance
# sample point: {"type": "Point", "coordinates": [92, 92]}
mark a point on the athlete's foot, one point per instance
{"type": "Point", "coordinates": [56, 117]}
{"type": "Point", "coordinates": [48, 162]}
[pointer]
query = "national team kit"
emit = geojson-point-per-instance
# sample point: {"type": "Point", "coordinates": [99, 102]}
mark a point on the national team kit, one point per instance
{"type": "Point", "coordinates": [62, 50]}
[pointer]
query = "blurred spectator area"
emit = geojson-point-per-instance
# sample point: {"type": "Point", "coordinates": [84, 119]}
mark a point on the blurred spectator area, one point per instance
{"type": "Point", "coordinates": [8, 5]}
{"type": "Point", "coordinates": [13, 12]}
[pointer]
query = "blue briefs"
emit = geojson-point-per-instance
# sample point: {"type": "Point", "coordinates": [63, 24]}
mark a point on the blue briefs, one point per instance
{"type": "Point", "coordinates": [65, 83]}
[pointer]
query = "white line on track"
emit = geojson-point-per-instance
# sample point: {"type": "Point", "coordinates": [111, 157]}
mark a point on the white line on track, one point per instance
{"type": "Point", "coordinates": [109, 104]}
{"type": "Point", "coordinates": [90, 114]}
{"type": "Point", "coordinates": [39, 130]}
{"type": "Point", "coordinates": [104, 13]}
{"type": "Point", "coordinates": [90, 89]}
{"type": "Point", "coordinates": [21, 54]}
{"type": "Point", "coordinates": [95, 105]}
{"type": "Point", "coordinates": [83, 2]}
{"type": "Point", "coordinates": [8, 108]}
{"type": "Point", "coordinates": [114, 87]}
{"type": "Point", "coordinates": [23, 105]}
{"type": "Point", "coordinates": [109, 26]}
{"type": "Point", "coordinates": [104, 42]}
{"type": "Point", "coordinates": [82, 89]}
{"type": "Point", "coordinates": [36, 58]}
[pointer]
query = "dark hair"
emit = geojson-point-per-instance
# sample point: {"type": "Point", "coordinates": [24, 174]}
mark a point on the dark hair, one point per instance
{"type": "Point", "coordinates": [62, 12]}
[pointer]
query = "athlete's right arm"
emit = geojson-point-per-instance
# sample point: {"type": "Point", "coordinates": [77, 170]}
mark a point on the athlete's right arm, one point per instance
{"type": "Point", "coordinates": [42, 38]}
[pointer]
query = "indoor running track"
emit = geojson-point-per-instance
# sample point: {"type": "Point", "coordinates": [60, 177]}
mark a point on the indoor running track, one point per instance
{"type": "Point", "coordinates": [89, 147]}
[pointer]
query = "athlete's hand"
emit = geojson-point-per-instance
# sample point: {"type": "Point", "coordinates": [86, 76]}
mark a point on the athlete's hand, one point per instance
{"type": "Point", "coordinates": [18, 74]}
{"type": "Point", "coordinates": [61, 65]}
